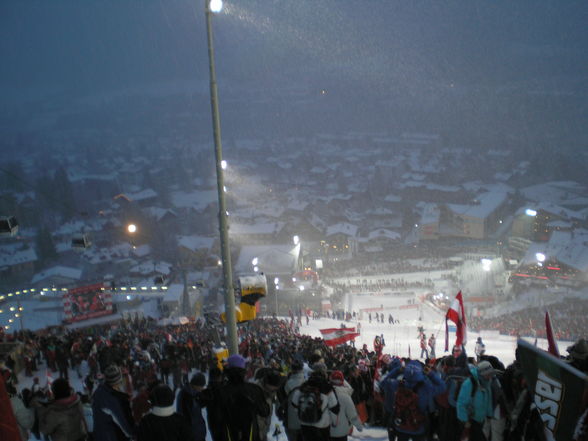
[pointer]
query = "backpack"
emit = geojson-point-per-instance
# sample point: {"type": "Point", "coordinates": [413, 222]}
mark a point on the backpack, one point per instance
{"type": "Point", "coordinates": [309, 404]}
{"type": "Point", "coordinates": [407, 415]}
{"type": "Point", "coordinates": [458, 380]}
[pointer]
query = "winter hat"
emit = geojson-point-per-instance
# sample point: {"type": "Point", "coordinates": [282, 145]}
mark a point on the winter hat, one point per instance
{"type": "Point", "coordinates": [320, 367]}
{"type": "Point", "coordinates": [579, 350]}
{"type": "Point", "coordinates": [112, 375]}
{"type": "Point", "coordinates": [273, 378]}
{"type": "Point", "coordinates": [236, 361]}
{"type": "Point", "coordinates": [337, 378]}
{"type": "Point", "coordinates": [485, 368]}
{"type": "Point", "coordinates": [162, 396]}
{"type": "Point", "coordinates": [296, 366]}
{"type": "Point", "coordinates": [198, 379]}
{"type": "Point", "coordinates": [60, 388]}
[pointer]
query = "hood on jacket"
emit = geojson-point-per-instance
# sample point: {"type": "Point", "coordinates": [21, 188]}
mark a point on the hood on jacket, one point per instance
{"type": "Point", "coordinates": [413, 374]}
{"type": "Point", "coordinates": [67, 402]}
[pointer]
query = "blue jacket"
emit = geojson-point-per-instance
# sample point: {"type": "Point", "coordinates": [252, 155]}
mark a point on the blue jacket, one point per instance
{"type": "Point", "coordinates": [478, 407]}
{"type": "Point", "coordinates": [430, 386]}
{"type": "Point", "coordinates": [113, 420]}
{"type": "Point", "coordinates": [188, 406]}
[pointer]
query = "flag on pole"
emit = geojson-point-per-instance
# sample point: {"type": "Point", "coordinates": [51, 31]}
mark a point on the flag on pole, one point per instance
{"type": "Point", "coordinates": [456, 314]}
{"type": "Point", "coordinates": [552, 345]}
{"type": "Point", "coordinates": [338, 336]}
{"type": "Point", "coordinates": [49, 376]}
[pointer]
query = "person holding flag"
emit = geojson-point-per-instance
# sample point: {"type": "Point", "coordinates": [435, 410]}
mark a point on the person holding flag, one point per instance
{"type": "Point", "coordinates": [456, 314]}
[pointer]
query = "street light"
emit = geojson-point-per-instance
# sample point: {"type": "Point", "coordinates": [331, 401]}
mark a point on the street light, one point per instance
{"type": "Point", "coordinates": [211, 6]}
{"type": "Point", "coordinates": [296, 240]}
{"type": "Point", "coordinates": [132, 228]}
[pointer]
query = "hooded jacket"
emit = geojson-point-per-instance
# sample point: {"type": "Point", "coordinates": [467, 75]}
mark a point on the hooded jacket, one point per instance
{"type": "Point", "coordinates": [342, 422]}
{"type": "Point", "coordinates": [162, 424]}
{"type": "Point", "coordinates": [425, 386]}
{"type": "Point", "coordinates": [293, 382]}
{"type": "Point", "coordinates": [329, 402]}
{"type": "Point", "coordinates": [188, 406]}
{"type": "Point", "coordinates": [63, 420]}
{"type": "Point", "coordinates": [479, 406]}
{"type": "Point", "coordinates": [113, 419]}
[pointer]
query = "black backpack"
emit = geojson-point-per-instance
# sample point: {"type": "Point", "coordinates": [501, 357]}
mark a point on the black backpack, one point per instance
{"type": "Point", "coordinates": [309, 404]}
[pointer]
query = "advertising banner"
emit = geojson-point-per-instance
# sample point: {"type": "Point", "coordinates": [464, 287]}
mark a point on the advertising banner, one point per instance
{"type": "Point", "coordinates": [86, 302]}
{"type": "Point", "coordinates": [557, 389]}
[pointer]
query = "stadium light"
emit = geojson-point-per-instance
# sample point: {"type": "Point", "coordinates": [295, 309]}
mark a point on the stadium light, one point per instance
{"type": "Point", "coordinates": [132, 228]}
{"type": "Point", "coordinates": [216, 6]}
{"type": "Point", "coordinates": [296, 240]}
{"type": "Point", "coordinates": [530, 212]}
{"type": "Point", "coordinates": [540, 257]}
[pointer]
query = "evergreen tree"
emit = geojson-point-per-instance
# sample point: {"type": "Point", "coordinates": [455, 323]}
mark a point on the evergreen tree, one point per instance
{"type": "Point", "coordinates": [45, 247]}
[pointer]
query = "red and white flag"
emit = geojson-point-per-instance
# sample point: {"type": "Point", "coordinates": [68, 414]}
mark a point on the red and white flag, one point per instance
{"type": "Point", "coordinates": [456, 314]}
{"type": "Point", "coordinates": [552, 345]}
{"type": "Point", "coordinates": [49, 376]}
{"type": "Point", "coordinates": [338, 336]}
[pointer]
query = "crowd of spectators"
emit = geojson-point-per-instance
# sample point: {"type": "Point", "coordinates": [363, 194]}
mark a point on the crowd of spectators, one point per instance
{"type": "Point", "coordinates": [568, 320]}
{"type": "Point", "coordinates": [141, 381]}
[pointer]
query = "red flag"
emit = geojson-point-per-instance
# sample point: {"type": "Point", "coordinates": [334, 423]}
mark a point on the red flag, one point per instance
{"type": "Point", "coordinates": [456, 314]}
{"type": "Point", "coordinates": [552, 345]}
{"type": "Point", "coordinates": [338, 336]}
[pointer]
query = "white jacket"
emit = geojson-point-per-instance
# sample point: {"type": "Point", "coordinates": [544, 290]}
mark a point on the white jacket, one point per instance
{"type": "Point", "coordinates": [328, 401]}
{"type": "Point", "coordinates": [347, 416]}
{"type": "Point", "coordinates": [293, 382]}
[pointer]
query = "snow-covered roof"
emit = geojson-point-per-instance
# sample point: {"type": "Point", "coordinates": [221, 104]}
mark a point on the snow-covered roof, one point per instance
{"type": "Point", "coordinates": [142, 195]}
{"type": "Point", "coordinates": [342, 228]}
{"type": "Point", "coordinates": [567, 247]}
{"type": "Point", "coordinates": [271, 259]}
{"type": "Point", "coordinates": [18, 257]}
{"type": "Point", "coordinates": [58, 271]}
{"type": "Point", "coordinates": [257, 228]}
{"type": "Point", "coordinates": [194, 242]}
{"type": "Point", "coordinates": [197, 200]}
{"type": "Point", "coordinates": [488, 203]}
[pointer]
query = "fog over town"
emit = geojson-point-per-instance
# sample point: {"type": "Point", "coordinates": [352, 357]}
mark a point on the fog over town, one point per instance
{"type": "Point", "coordinates": [405, 150]}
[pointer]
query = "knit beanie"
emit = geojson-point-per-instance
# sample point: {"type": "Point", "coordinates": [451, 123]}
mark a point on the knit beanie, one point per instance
{"type": "Point", "coordinates": [162, 396]}
{"type": "Point", "coordinates": [112, 375]}
{"type": "Point", "coordinates": [337, 378]}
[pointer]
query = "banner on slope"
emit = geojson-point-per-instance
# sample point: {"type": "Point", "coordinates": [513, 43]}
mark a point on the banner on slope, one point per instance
{"type": "Point", "coordinates": [86, 302]}
{"type": "Point", "coordinates": [338, 336]}
{"type": "Point", "coordinates": [557, 389]}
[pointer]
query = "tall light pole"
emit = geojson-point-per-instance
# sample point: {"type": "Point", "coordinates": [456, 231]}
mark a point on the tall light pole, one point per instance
{"type": "Point", "coordinates": [211, 6]}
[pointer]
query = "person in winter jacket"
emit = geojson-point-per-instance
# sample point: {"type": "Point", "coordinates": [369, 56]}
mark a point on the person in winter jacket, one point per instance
{"type": "Point", "coordinates": [424, 382]}
{"type": "Point", "coordinates": [292, 422]}
{"type": "Point", "coordinates": [239, 403]}
{"type": "Point", "coordinates": [213, 410]}
{"type": "Point", "coordinates": [113, 418]}
{"type": "Point", "coordinates": [319, 430]}
{"type": "Point", "coordinates": [342, 423]}
{"type": "Point", "coordinates": [189, 407]}
{"type": "Point", "coordinates": [474, 402]}
{"type": "Point", "coordinates": [63, 419]}
{"type": "Point", "coordinates": [270, 381]}
{"type": "Point", "coordinates": [162, 423]}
